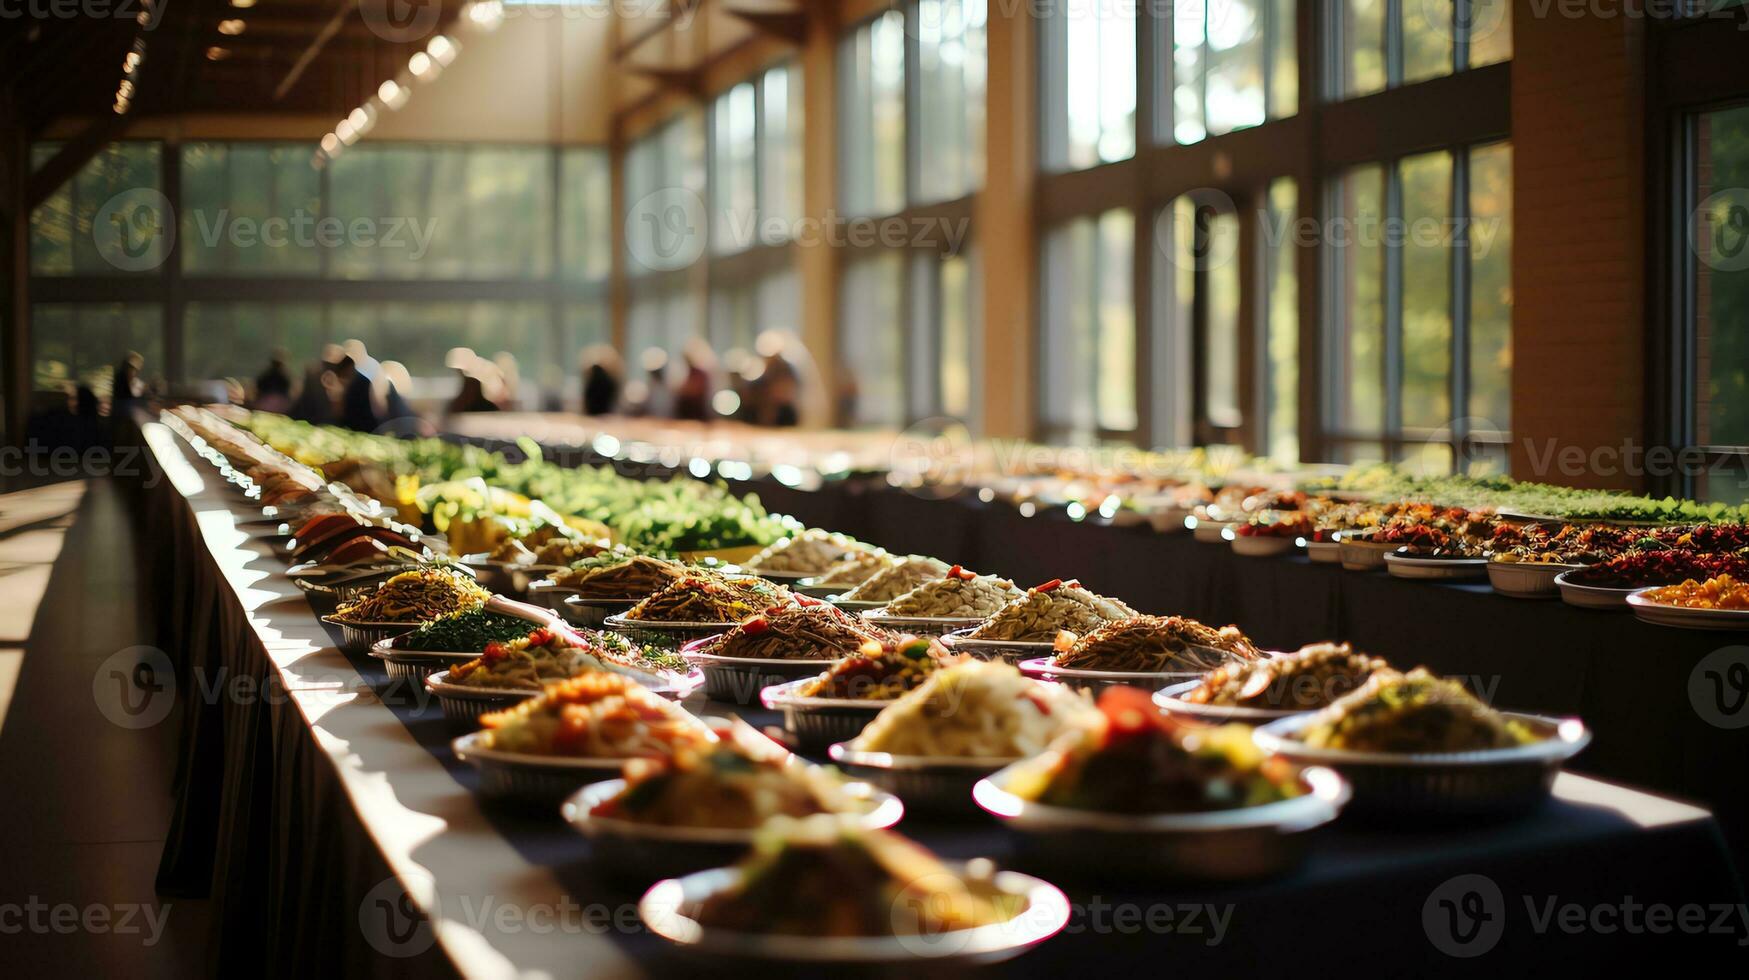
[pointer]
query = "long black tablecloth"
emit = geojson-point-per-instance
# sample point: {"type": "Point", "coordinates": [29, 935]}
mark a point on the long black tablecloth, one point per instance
{"type": "Point", "coordinates": [293, 847]}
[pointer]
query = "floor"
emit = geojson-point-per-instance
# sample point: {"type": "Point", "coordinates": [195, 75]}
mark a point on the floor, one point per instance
{"type": "Point", "coordinates": [84, 800]}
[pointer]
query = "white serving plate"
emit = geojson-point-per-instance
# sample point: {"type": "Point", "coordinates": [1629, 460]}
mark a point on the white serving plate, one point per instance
{"type": "Point", "coordinates": [669, 907]}
{"type": "Point", "coordinates": [1095, 681]}
{"type": "Point", "coordinates": [941, 785]}
{"type": "Point", "coordinates": [1168, 700]}
{"type": "Point", "coordinates": [1440, 784]}
{"type": "Point", "coordinates": [632, 849]}
{"type": "Point", "coordinates": [818, 722]}
{"type": "Point", "coordinates": [1239, 844]}
{"type": "Point", "coordinates": [1527, 580]}
{"type": "Point", "coordinates": [1660, 614]}
{"type": "Point", "coordinates": [1435, 569]}
{"type": "Point", "coordinates": [1592, 596]}
{"type": "Point", "coordinates": [536, 778]}
{"type": "Point", "coordinates": [1012, 651]}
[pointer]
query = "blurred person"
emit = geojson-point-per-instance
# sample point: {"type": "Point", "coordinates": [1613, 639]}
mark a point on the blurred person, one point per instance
{"type": "Point", "coordinates": [358, 410]}
{"type": "Point", "coordinates": [650, 397]}
{"type": "Point", "coordinates": [742, 369]}
{"type": "Point", "coordinates": [471, 397]}
{"type": "Point", "coordinates": [273, 386]}
{"type": "Point", "coordinates": [126, 386]}
{"type": "Point", "coordinates": [692, 396]}
{"type": "Point", "coordinates": [778, 384]}
{"type": "Point", "coordinates": [509, 380]}
{"type": "Point", "coordinates": [603, 372]}
{"type": "Point", "coordinates": [399, 418]}
{"type": "Point", "coordinates": [312, 403]}
{"type": "Point", "coordinates": [848, 393]}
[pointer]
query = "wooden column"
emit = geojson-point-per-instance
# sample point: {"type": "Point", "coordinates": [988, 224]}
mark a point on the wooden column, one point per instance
{"type": "Point", "coordinates": [816, 262]}
{"type": "Point", "coordinates": [1004, 217]}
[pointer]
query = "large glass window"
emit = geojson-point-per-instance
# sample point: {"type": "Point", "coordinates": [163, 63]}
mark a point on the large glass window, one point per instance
{"type": "Point", "coordinates": [871, 116]}
{"type": "Point", "coordinates": [1718, 264]}
{"type": "Point", "coordinates": [443, 212]}
{"type": "Point", "coordinates": [235, 340]}
{"type": "Point", "coordinates": [664, 192]}
{"type": "Point", "coordinates": [755, 175]}
{"type": "Point", "coordinates": [1233, 65]}
{"type": "Point", "coordinates": [1089, 327]}
{"type": "Point", "coordinates": [108, 220]}
{"type": "Point", "coordinates": [586, 226]}
{"type": "Point", "coordinates": [250, 209]}
{"type": "Point", "coordinates": [1087, 72]}
{"type": "Point", "coordinates": [81, 343]}
{"type": "Point", "coordinates": [1382, 44]}
{"type": "Point", "coordinates": [950, 98]}
{"type": "Point", "coordinates": [871, 330]}
{"type": "Point", "coordinates": [1409, 236]}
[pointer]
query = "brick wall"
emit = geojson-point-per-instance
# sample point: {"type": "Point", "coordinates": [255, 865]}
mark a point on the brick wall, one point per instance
{"type": "Point", "coordinates": [1578, 264]}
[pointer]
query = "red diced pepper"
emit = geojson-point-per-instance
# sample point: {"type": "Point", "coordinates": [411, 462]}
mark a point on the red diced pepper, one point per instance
{"type": "Point", "coordinates": [755, 626]}
{"type": "Point", "coordinates": [1048, 586]}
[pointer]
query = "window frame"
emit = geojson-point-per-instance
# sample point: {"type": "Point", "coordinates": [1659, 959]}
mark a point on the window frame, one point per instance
{"type": "Point", "coordinates": [1471, 106]}
{"type": "Point", "coordinates": [920, 264]}
{"type": "Point", "coordinates": [173, 289]}
{"type": "Point", "coordinates": [1692, 67]}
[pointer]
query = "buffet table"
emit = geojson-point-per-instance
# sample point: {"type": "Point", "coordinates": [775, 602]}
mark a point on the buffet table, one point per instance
{"type": "Point", "coordinates": [1639, 686]}
{"type": "Point", "coordinates": [321, 810]}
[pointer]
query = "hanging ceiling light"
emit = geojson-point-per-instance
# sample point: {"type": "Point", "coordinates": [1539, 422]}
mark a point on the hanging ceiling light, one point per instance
{"type": "Point", "coordinates": [442, 49]}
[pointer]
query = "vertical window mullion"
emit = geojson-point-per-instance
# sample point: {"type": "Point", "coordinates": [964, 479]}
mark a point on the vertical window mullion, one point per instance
{"type": "Point", "coordinates": [1393, 41]}
{"type": "Point", "coordinates": [1463, 17]}
{"type": "Point", "coordinates": [1460, 304]}
{"type": "Point", "coordinates": [1392, 295]}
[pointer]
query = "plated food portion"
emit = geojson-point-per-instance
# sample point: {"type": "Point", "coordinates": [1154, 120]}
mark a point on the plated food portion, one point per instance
{"type": "Point", "coordinates": [1310, 678]}
{"type": "Point", "coordinates": [1721, 602]}
{"type": "Point", "coordinates": [976, 710]}
{"type": "Point", "coordinates": [1417, 743]}
{"type": "Point", "coordinates": [1152, 645]}
{"type": "Point", "coordinates": [892, 582]}
{"type": "Point", "coordinates": [415, 597]}
{"type": "Point", "coordinates": [468, 631]}
{"type": "Point", "coordinates": [811, 552]}
{"type": "Point", "coordinates": [819, 890]}
{"type": "Point", "coordinates": [1049, 609]}
{"type": "Point", "coordinates": [835, 705]}
{"type": "Point", "coordinates": [699, 599]}
{"type": "Point", "coordinates": [544, 656]}
{"type": "Point", "coordinates": [1141, 794]}
{"type": "Point", "coordinates": [959, 594]}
